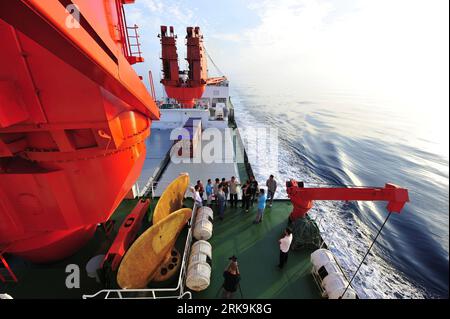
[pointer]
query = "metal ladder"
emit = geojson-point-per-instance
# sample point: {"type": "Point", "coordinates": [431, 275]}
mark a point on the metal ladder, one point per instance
{"type": "Point", "coordinates": [134, 46]}
{"type": "Point", "coordinates": [130, 43]}
{"type": "Point", "coordinates": [6, 273]}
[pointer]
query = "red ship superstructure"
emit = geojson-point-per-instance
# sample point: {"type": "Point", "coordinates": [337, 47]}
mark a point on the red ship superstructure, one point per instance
{"type": "Point", "coordinates": [185, 86]}
{"type": "Point", "coordinates": [74, 116]}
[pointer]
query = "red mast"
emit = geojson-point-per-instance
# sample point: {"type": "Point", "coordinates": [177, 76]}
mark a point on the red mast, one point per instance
{"type": "Point", "coordinates": [184, 86]}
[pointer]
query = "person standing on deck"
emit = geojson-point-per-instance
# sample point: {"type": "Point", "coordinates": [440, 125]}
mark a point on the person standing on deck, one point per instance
{"type": "Point", "coordinates": [216, 189]}
{"type": "Point", "coordinates": [225, 189]}
{"type": "Point", "coordinates": [246, 196]}
{"type": "Point", "coordinates": [271, 184]}
{"type": "Point", "coordinates": [231, 277]}
{"type": "Point", "coordinates": [201, 189]}
{"type": "Point", "coordinates": [197, 198]}
{"type": "Point", "coordinates": [209, 192]}
{"type": "Point", "coordinates": [253, 189]}
{"type": "Point", "coordinates": [285, 244]}
{"type": "Point", "coordinates": [233, 191]}
{"type": "Point", "coordinates": [221, 202]}
{"type": "Point", "coordinates": [243, 188]}
{"type": "Point", "coordinates": [261, 206]}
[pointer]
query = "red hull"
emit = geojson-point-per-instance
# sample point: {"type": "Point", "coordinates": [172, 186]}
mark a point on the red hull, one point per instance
{"type": "Point", "coordinates": [53, 246]}
{"type": "Point", "coordinates": [54, 228]}
{"type": "Point", "coordinates": [74, 117]}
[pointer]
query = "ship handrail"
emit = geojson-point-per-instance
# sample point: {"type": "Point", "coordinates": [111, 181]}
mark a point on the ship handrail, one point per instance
{"type": "Point", "coordinates": [181, 279]}
{"type": "Point", "coordinates": [151, 187]}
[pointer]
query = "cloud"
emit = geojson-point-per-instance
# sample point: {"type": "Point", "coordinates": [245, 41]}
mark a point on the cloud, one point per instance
{"type": "Point", "coordinates": [151, 14]}
{"type": "Point", "coordinates": [386, 47]}
{"type": "Point", "coordinates": [376, 45]}
{"type": "Point", "coordinates": [154, 6]}
{"type": "Point", "coordinates": [232, 37]}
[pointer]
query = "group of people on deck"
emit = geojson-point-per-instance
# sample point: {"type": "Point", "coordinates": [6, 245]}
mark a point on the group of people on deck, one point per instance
{"type": "Point", "coordinates": [250, 193]}
{"type": "Point", "coordinates": [218, 192]}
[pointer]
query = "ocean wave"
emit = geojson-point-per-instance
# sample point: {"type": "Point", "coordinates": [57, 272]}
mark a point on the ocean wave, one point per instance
{"type": "Point", "coordinates": [341, 225]}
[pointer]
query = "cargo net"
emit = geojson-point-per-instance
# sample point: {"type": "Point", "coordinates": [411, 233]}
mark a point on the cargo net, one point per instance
{"type": "Point", "coordinates": [305, 234]}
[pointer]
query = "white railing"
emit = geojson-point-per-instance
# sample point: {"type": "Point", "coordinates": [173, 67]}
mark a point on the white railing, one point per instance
{"type": "Point", "coordinates": [148, 188]}
{"type": "Point", "coordinates": [152, 186]}
{"type": "Point", "coordinates": [151, 293]}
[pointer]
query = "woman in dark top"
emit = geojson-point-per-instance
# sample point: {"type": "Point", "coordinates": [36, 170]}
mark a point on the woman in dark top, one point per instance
{"type": "Point", "coordinates": [247, 195]}
{"type": "Point", "coordinates": [253, 189]}
{"type": "Point", "coordinates": [225, 188]}
{"type": "Point", "coordinates": [232, 278]}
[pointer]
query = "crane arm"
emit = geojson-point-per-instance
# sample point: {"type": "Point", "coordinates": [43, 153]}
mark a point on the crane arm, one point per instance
{"type": "Point", "coordinates": [303, 198]}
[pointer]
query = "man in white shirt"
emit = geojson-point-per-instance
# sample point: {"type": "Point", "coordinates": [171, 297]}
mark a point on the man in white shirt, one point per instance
{"type": "Point", "coordinates": [233, 191]}
{"type": "Point", "coordinates": [285, 244]}
{"type": "Point", "coordinates": [198, 199]}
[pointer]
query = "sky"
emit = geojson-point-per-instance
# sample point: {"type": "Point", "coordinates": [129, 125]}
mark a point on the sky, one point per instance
{"type": "Point", "coordinates": [391, 49]}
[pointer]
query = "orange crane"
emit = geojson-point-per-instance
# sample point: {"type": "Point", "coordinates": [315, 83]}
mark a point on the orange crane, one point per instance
{"type": "Point", "coordinates": [303, 198]}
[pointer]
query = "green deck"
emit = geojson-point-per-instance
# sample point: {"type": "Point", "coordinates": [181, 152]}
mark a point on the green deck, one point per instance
{"type": "Point", "coordinates": [256, 246]}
